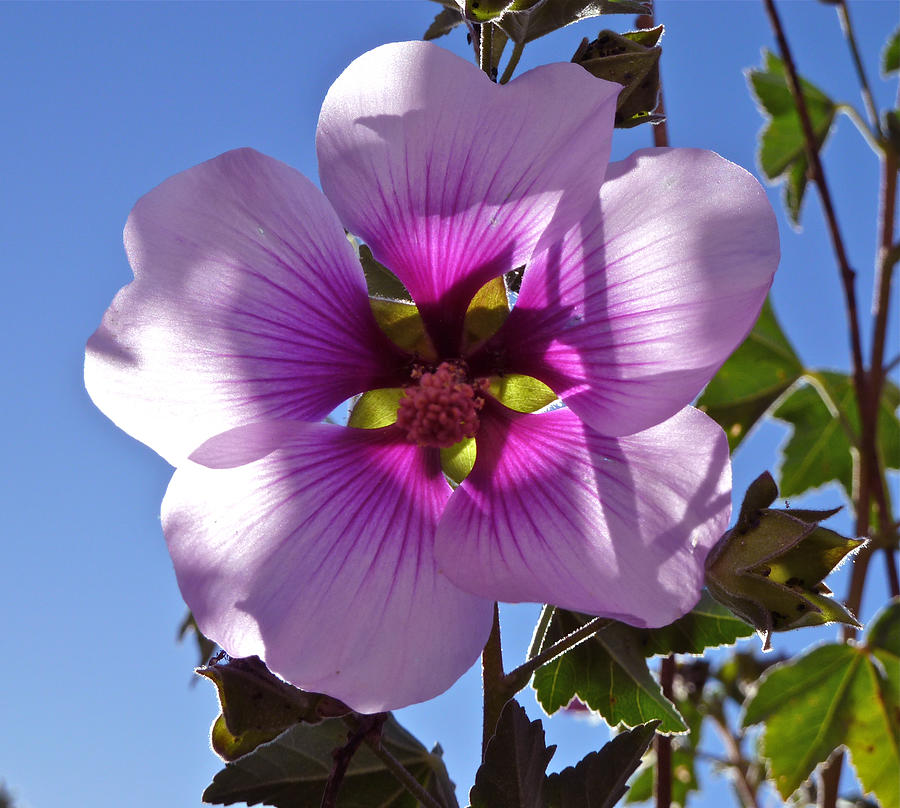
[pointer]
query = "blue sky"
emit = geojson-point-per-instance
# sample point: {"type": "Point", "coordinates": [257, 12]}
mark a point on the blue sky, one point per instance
{"type": "Point", "coordinates": [100, 103]}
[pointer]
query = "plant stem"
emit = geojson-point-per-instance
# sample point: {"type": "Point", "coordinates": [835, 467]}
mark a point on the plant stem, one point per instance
{"type": "Point", "coordinates": [661, 129]}
{"type": "Point", "coordinates": [486, 50]}
{"type": "Point", "coordinates": [513, 62]}
{"type": "Point", "coordinates": [663, 743]}
{"type": "Point", "coordinates": [850, 111]}
{"type": "Point", "coordinates": [495, 690]}
{"type": "Point", "coordinates": [868, 100]}
{"type": "Point", "coordinates": [540, 630]}
{"type": "Point", "coordinates": [743, 786]}
{"type": "Point", "coordinates": [360, 728]}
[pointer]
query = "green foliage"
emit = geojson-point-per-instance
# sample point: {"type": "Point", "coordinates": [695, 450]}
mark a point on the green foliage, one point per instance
{"type": "Point", "coordinates": [257, 706]}
{"type": "Point", "coordinates": [782, 144]}
{"type": "Point", "coordinates": [521, 393]}
{"type": "Point", "coordinates": [526, 26]}
{"type": "Point", "coordinates": [890, 58]}
{"type": "Point", "coordinates": [837, 694]}
{"type": "Point", "coordinates": [376, 408]}
{"type": "Point", "coordinates": [632, 60]}
{"type": "Point", "coordinates": [769, 568]}
{"type": "Point", "coordinates": [293, 769]}
{"type": "Point", "coordinates": [684, 749]}
{"type": "Point", "coordinates": [512, 774]}
{"type": "Point", "coordinates": [487, 311]}
{"type": "Point", "coordinates": [752, 379]}
{"type": "Point", "coordinates": [380, 281]}
{"type": "Point", "coordinates": [825, 419]}
{"type": "Point", "coordinates": [609, 671]}
{"type": "Point", "coordinates": [444, 22]}
{"type": "Point", "coordinates": [598, 780]}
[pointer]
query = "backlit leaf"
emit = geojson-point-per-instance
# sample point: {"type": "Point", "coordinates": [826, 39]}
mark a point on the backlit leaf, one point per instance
{"type": "Point", "coordinates": [890, 58]}
{"type": "Point", "coordinates": [825, 419]}
{"type": "Point", "coordinates": [293, 769]}
{"type": "Point", "coordinates": [608, 672]}
{"type": "Point", "coordinates": [512, 774]}
{"type": "Point", "coordinates": [835, 695]}
{"type": "Point", "coordinates": [525, 26]}
{"type": "Point", "coordinates": [782, 143]}
{"type": "Point", "coordinates": [598, 780]}
{"type": "Point", "coordinates": [752, 379]}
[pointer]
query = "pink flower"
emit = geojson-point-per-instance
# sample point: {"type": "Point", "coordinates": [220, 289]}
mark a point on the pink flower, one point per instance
{"type": "Point", "coordinates": [342, 556]}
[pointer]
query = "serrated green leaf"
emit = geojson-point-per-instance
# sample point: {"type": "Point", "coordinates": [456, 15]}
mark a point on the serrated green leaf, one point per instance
{"type": "Point", "coordinates": [258, 706]}
{"type": "Point", "coordinates": [890, 58]}
{"type": "Point", "coordinates": [782, 142]}
{"type": "Point", "coordinates": [884, 631]}
{"type": "Point", "coordinates": [608, 672]}
{"type": "Point", "coordinates": [598, 780]}
{"type": "Point", "coordinates": [684, 775]}
{"type": "Point", "coordinates": [752, 379]}
{"type": "Point", "coordinates": [835, 695]}
{"type": "Point", "coordinates": [293, 769]}
{"type": "Point", "coordinates": [708, 625]}
{"type": "Point", "coordinates": [825, 418]}
{"type": "Point", "coordinates": [526, 26]}
{"type": "Point", "coordinates": [512, 774]}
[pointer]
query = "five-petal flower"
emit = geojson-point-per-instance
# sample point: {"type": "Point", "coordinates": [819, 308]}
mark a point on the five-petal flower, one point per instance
{"type": "Point", "coordinates": [342, 556]}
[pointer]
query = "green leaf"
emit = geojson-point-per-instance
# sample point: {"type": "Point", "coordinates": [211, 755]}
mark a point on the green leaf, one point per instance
{"type": "Point", "coordinates": [380, 281]}
{"type": "Point", "coordinates": [608, 672]}
{"type": "Point", "coordinates": [512, 774]}
{"type": "Point", "coordinates": [526, 26]}
{"type": "Point", "coordinates": [598, 780]}
{"type": "Point", "coordinates": [257, 706]}
{"type": "Point", "coordinates": [402, 322]}
{"type": "Point", "coordinates": [292, 771]}
{"type": "Point", "coordinates": [521, 393]}
{"type": "Point", "coordinates": [757, 373]}
{"type": "Point", "coordinates": [684, 774]}
{"type": "Point", "coordinates": [444, 22]}
{"type": "Point", "coordinates": [487, 311]}
{"type": "Point", "coordinates": [708, 625]}
{"type": "Point", "coordinates": [782, 143]}
{"type": "Point", "coordinates": [835, 695]}
{"type": "Point", "coordinates": [376, 408]}
{"type": "Point", "coordinates": [458, 460]}
{"type": "Point", "coordinates": [890, 58]}
{"type": "Point", "coordinates": [825, 419]}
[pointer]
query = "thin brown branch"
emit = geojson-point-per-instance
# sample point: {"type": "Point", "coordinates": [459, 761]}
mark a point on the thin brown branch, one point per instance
{"type": "Point", "coordinates": [366, 725]}
{"type": "Point", "coordinates": [662, 744]}
{"type": "Point", "coordinates": [745, 789]}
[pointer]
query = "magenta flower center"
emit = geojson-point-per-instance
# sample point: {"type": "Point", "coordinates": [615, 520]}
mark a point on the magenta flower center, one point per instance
{"type": "Point", "coordinates": [441, 407]}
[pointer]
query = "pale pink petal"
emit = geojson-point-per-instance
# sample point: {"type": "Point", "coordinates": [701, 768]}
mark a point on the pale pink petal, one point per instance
{"type": "Point", "coordinates": [248, 303]}
{"type": "Point", "coordinates": [452, 179]}
{"type": "Point", "coordinates": [631, 315]}
{"type": "Point", "coordinates": [553, 512]}
{"type": "Point", "coordinates": [318, 557]}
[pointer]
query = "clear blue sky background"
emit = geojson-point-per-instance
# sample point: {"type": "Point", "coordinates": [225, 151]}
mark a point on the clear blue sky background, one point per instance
{"type": "Point", "coordinates": [101, 102]}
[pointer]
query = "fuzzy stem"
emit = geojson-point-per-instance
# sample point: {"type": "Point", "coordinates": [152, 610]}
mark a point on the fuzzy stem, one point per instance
{"type": "Point", "coordinates": [513, 62]}
{"type": "Point", "coordinates": [663, 743]}
{"type": "Point", "coordinates": [868, 100]}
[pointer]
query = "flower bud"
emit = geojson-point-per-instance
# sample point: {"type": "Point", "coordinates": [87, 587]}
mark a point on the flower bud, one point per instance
{"type": "Point", "coordinates": [768, 568]}
{"type": "Point", "coordinates": [487, 10]}
{"type": "Point", "coordinates": [632, 60]}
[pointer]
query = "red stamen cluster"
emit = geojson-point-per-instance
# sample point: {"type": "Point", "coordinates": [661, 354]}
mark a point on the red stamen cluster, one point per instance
{"type": "Point", "coordinates": [442, 408]}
